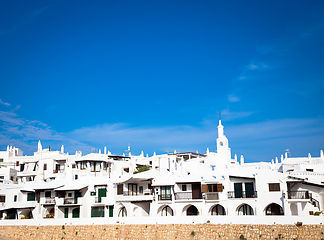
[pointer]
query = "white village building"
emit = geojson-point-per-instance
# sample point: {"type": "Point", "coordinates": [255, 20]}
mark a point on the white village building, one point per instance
{"type": "Point", "coordinates": [55, 184]}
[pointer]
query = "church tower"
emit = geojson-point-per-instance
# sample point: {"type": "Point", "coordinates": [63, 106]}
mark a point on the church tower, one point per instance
{"type": "Point", "coordinates": [223, 151]}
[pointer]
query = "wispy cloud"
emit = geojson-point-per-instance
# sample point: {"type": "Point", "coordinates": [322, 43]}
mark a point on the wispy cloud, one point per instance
{"type": "Point", "coordinates": [4, 103]}
{"type": "Point", "coordinates": [257, 141]}
{"type": "Point", "coordinates": [233, 98]}
{"type": "Point", "coordinates": [25, 133]}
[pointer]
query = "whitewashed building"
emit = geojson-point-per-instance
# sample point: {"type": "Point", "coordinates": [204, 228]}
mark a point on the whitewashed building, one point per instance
{"type": "Point", "coordinates": [55, 184]}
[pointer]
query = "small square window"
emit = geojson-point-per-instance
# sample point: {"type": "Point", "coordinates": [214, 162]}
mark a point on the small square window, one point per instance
{"type": "Point", "coordinates": [184, 187]}
{"type": "Point", "coordinates": [47, 194]}
{"type": "Point", "coordinates": [69, 194]}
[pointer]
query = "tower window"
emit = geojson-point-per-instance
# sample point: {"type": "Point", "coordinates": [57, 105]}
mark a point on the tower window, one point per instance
{"type": "Point", "coordinates": [221, 143]}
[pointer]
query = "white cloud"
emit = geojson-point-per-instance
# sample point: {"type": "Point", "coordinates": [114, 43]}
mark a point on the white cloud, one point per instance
{"type": "Point", "coordinates": [252, 66]}
{"type": "Point", "coordinates": [4, 103]}
{"type": "Point", "coordinates": [228, 115]}
{"type": "Point", "coordinates": [233, 98]}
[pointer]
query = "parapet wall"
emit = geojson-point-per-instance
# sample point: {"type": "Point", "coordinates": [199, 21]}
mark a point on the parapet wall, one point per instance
{"type": "Point", "coordinates": [205, 231]}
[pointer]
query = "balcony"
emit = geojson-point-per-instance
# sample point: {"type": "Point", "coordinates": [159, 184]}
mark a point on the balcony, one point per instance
{"type": "Point", "coordinates": [49, 200]}
{"type": "Point", "coordinates": [135, 196]}
{"type": "Point", "coordinates": [165, 197]}
{"type": "Point", "coordinates": [243, 194]}
{"type": "Point", "coordinates": [211, 196]}
{"type": "Point", "coordinates": [298, 195]}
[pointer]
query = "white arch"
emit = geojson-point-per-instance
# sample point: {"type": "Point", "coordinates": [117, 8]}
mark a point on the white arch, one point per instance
{"type": "Point", "coordinates": [216, 205]}
{"type": "Point", "coordinates": [244, 209]}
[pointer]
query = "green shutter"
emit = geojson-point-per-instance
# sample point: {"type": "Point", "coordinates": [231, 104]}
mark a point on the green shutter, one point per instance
{"type": "Point", "coordinates": [111, 211]}
{"type": "Point", "coordinates": [249, 189]}
{"type": "Point", "coordinates": [31, 196]}
{"type": "Point", "coordinates": [101, 193]}
{"type": "Point", "coordinates": [76, 213]}
{"type": "Point", "coordinates": [66, 212]}
{"type": "Point", "coordinates": [238, 190]}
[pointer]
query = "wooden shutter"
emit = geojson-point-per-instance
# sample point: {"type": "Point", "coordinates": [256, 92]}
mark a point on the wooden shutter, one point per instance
{"type": "Point", "coordinates": [120, 189]}
{"type": "Point", "coordinates": [204, 188]}
{"type": "Point", "coordinates": [220, 187]}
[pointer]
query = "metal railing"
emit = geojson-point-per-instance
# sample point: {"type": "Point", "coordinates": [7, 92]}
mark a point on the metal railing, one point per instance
{"type": "Point", "coordinates": [242, 194]}
{"type": "Point", "coordinates": [165, 197]}
{"type": "Point", "coordinates": [49, 200]}
{"type": "Point", "coordinates": [298, 195]}
{"type": "Point", "coordinates": [183, 195]}
{"type": "Point", "coordinates": [70, 201]}
{"type": "Point", "coordinates": [211, 196]}
{"type": "Point", "coordinates": [130, 193]}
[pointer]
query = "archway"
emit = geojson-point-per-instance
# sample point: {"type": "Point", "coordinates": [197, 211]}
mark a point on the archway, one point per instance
{"type": "Point", "coordinates": [245, 209]}
{"type": "Point", "coordinates": [76, 213]}
{"type": "Point", "coordinates": [122, 212]}
{"type": "Point", "coordinates": [274, 209]}
{"type": "Point", "coordinates": [166, 211]}
{"type": "Point", "coordinates": [192, 211]}
{"type": "Point", "coordinates": [218, 210]}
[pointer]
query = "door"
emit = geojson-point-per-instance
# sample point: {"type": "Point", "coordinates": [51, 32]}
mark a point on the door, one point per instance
{"type": "Point", "coordinates": [132, 189]}
{"type": "Point", "coordinates": [196, 190]}
{"type": "Point", "coordinates": [249, 190]}
{"type": "Point", "coordinates": [238, 190]}
{"type": "Point", "coordinates": [66, 212]}
{"type": "Point", "coordinates": [76, 213]}
{"type": "Point", "coordinates": [101, 193]}
{"type": "Point", "coordinates": [111, 211]}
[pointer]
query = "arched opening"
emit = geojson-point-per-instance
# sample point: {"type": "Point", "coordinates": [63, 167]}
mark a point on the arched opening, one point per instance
{"type": "Point", "coordinates": [245, 209]}
{"type": "Point", "coordinates": [293, 209]}
{"type": "Point", "coordinates": [166, 211]}
{"type": "Point", "coordinates": [218, 210]}
{"type": "Point", "coordinates": [26, 214]}
{"type": "Point", "coordinates": [122, 212]}
{"type": "Point", "coordinates": [192, 211]}
{"type": "Point", "coordinates": [76, 213]}
{"type": "Point", "coordinates": [274, 209]}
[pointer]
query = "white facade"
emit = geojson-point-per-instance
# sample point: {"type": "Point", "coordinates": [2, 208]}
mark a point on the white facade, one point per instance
{"type": "Point", "coordinates": [54, 184]}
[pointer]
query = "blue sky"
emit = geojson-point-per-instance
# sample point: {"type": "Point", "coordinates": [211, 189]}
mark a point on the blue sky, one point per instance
{"type": "Point", "coordinates": [155, 74]}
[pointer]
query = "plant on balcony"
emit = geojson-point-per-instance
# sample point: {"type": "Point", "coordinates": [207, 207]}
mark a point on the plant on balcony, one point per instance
{"type": "Point", "coordinates": [6, 217]}
{"type": "Point", "coordinates": [142, 169]}
{"type": "Point", "coordinates": [49, 215]}
{"type": "Point", "coordinates": [25, 217]}
{"type": "Point", "coordinates": [317, 213]}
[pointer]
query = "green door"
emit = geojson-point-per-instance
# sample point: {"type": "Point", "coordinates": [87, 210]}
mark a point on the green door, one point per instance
{"type": "Point", "coordinates": [76, 213]}
{"type": "Point", "coordinates": [238, 190]}
{"type": "Point", "coordinates": [249, 190]}
{"type": "Point", "coordinates": [66, 212]}
{"type": "Point", "coordinates": [101, 193]}
{"type": "Point", "coordinates": [77, 194]}
{"type": "Point", "coordinates": [111, 211]}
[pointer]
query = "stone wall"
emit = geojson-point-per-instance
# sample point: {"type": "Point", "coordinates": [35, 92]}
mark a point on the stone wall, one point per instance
{"type": "Point", "coordinates": [165, 231]}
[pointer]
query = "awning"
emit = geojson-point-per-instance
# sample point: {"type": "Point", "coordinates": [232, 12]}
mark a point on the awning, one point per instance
{"type": "Point", "coordinates": [50, 185]}
{"type": "Point", "coordinates": [74, 185]}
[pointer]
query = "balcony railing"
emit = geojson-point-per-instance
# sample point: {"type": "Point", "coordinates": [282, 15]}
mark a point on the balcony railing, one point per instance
{"type": "Point", "coordinates": [129, 193]}
{"type": "Point", "coordinates": [183, 195]}
{"type": "Point", "coordinates": [242, 194]}
{"type": "Point", "coordinates": [211, 196]}
{"type": "Point", "coordinates": [70, 201]}
{"type": "Point", "coordinates": [49, 200]}
{"type": "Point", "coordinates": [298, 195]}
{"type": "Point", "coordinates": [165, 197]}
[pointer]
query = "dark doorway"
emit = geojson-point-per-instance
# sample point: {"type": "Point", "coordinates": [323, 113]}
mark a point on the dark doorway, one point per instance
{"type": "Point", "coordinates": [196, 191]}
{"type": "Point", "coordinates": [274, 209]}
{"type": "Point", "coordinates": [192, 210]}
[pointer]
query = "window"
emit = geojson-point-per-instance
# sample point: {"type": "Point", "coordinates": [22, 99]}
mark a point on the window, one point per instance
{"type": "Point", "coordinates": [17, 163]}
{"type": "Point", "coordinates": [83, 165]}
{"type": "Point", "coordinates": [274, 187]}
{"type": "Point", "coordinates": [69, 194]}
{"type": "Point", "coordinates": [73, 165]}
{"type": "Point", "coordinates": [45, 167]}
{"type": "Point", "coordinates": [98, 211]}
{"type": "Point", "coordinates": [31, 196]}
{"type": "Point", "coordinates": [140, 189]}
{"type": "Point", "coordinates": [120, 189]}
{"type": "Point", "coordinates": [167, 211]}
{"type": "Point", "coordinates": [15, 198]}
{"type": "Point", "coordinates": [212, 187]}
{"type": "Point", "coordinates": [76, 177]}
{"type": "Point", "coordinates": [165, 193]}
{"type": "Point", "coordinates": [1, 159]}
{"type": "Point", "coordinates": [184, 187]}
{"type": "Point", "coordinates": [245, 210]}
{"type": "Point", "coordinates": [122, 212]}
{"type": "Point", "coordinates": [47, 194]}
{"type": "Point", "coordinates": [310, 170]}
